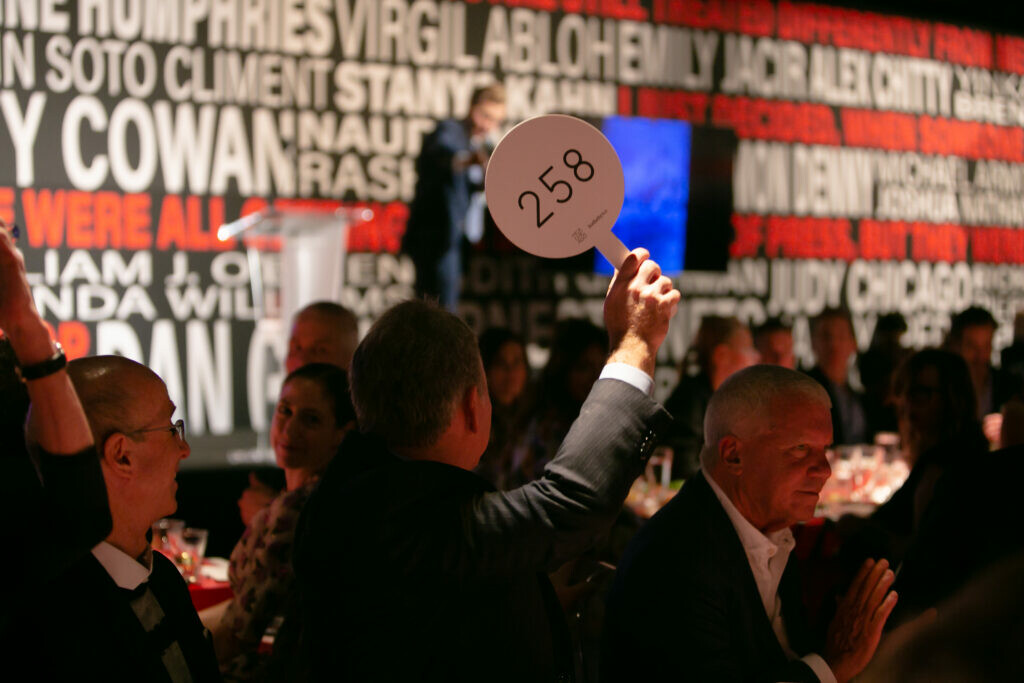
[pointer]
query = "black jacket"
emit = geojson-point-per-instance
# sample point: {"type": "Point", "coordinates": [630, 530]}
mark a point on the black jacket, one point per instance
{"type": "Point", "coordinates": [84, 629]}
{"type": "Point", "coordinates": [52, 522]}
{"type": "Point", "coordinates": [685, 605]}
{"type": "Point", "coordinates": [417, 571]}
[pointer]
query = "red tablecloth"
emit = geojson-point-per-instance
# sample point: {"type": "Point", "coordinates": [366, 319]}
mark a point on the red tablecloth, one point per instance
{"type": "Point", "coordinates": [207, 592]}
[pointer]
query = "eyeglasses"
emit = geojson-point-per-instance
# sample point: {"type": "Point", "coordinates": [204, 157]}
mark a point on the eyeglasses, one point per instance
{"type": "Point", "coordinates": [178, 429]}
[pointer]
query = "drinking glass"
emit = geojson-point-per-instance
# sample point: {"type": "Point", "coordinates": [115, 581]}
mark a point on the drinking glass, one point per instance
{"type": "Point", "coordinates": [167, 537]}
{"type": "Point", "coordinates": [191, 552]}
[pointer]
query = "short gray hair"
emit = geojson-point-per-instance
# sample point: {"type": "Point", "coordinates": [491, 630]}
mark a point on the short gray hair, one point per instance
{"type": "Point", "coordinates": [748, 395]}
{"type": "Point", "coordinates": [414, 364]}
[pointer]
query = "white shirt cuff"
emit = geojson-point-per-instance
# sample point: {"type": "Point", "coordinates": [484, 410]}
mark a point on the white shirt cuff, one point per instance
{"type": "Point", "coordinates": [820, 668]}
{"type": "Point", "coordinates": [630, 375]}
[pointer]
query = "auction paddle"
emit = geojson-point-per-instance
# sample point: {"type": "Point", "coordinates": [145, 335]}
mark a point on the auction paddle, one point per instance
{"type": "Point", "coordinates": [554, 187]}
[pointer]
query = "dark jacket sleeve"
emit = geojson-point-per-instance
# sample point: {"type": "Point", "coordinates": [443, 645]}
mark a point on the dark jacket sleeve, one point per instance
{"type": "Point", "coordinates": [540, 525]}
{"type": "Point", "coordinates": [61, 512]}
{"type": "Point", "coordinates": [440, 147]}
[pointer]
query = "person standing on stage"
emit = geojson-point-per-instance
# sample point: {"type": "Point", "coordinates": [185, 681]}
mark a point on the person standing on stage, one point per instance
{"type": "Point", "coordinates": [449, 193]}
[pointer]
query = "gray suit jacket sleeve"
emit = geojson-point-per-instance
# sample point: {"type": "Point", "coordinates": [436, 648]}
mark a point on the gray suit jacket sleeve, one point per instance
{"type": "Point", "coordinates": [542, 524]}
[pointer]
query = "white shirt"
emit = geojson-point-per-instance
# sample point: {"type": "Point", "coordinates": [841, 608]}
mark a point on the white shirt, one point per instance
{"type": "Point", "coordinates": [124, 569]}
{"type": "Point", "coordinates": [768, 556]}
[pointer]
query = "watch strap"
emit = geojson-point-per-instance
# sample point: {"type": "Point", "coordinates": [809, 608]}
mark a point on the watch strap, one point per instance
{"type": "Point", "coordinates": [55, 363]}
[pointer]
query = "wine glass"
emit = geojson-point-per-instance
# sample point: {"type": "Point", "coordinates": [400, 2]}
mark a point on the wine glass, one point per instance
{"type": "Point", "coordinates": [191, 552]}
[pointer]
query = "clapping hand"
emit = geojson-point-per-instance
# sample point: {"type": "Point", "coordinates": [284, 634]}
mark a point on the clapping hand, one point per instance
{"type": "Point", "coordinates": [856, 629]}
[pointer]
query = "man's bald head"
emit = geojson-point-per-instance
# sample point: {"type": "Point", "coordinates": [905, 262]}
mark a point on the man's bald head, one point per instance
{"type": "Point", "coordinates": [109, 388]}
{"type": "Point", "coordinates": [749, 401]}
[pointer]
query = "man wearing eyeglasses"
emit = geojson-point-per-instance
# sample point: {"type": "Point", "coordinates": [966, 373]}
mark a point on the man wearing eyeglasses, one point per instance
{"type": "Point", "coordinates": [124, 612]}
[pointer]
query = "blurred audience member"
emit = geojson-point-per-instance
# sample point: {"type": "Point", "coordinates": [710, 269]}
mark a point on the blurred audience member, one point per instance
{"type": "Point", "coordinates": [936, 406]}
{"type": "Point", "coordinates": [1012, 357]}
{"type": "Point", "coordinates": [975, 635]}
{"type": "Point", "coordinates": [1011, 428]}
{"type": "Point", "coordinates": [834, 344]}
{"type": "Point", "coordinates": [314, 412]}
{"type": "Point", "coordinates": [504, 357]}
{"type": "Point", "coordinates": [938, 428]}
{"type": "Point", "coordinates": [123, 612]}
{"type": "Point", "coordinates": [56, 508]}
{"type": "Point", "coordinates": [408, 567]}
{"type": "Point", "coordinates": [876, 367]}
{"type": "Point", "coordinates": [706, 591]}
{"type": "Point", "coordinates": [978, 501]}
{"type": "Point", "coordinates": [970, 335]}
{"type": "Point", "coordinates": [1012, 360]}
{"type": "Point", "coordinates": [323, 332]}
{"type": "Point", "coordinates": [773, 340]}
{"type": "Point", "coordinates": [578, 352]}
{"type": "Point", "coordinates": [721, 347]}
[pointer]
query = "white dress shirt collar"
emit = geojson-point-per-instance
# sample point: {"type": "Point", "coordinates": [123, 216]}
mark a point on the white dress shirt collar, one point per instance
{"type": "Point", "coordinates": [759, 547]}
{"type": "Point", "coordinates": [125, 570]}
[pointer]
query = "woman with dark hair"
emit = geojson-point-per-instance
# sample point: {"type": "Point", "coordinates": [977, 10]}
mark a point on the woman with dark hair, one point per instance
{"type": "Point", "coordinates": [313, 414]}
{"type": "Point", "coordinates": [939, 428]}
{"type": "Point", "coordinates": [504, 357]}
{"type": "Point", "coordinates": [936, 406]}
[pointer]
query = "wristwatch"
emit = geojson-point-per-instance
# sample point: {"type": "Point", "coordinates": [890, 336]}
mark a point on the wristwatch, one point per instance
{"type": "Point", "coordinates": [55, 363]}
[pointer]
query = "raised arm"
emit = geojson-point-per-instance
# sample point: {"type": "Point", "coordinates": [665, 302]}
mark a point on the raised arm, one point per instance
{"type": "Point", "coordinates": [554, 518]}
{"type": "Point", "coordinates": [65, 514]}
{"type": "Point", "coordinates": [56, 420]}
{"type": "Point", "coordinates": [637, 310]}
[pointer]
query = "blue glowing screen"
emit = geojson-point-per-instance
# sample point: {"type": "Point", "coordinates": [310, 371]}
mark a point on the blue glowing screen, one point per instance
{"type": "Point", "coordinates": [655, 155]}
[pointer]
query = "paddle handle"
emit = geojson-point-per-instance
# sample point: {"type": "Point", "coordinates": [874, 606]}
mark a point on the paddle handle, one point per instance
{"type": "Point", "coordinates": [612, 248]}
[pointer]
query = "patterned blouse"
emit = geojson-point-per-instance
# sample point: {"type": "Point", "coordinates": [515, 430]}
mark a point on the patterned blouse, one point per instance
{"type": "Point", "coordinates": [261, 576]}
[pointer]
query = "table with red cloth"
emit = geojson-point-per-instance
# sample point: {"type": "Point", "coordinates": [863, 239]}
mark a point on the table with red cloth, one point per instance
{"type": "Point", "coordinates": [207, 592]}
